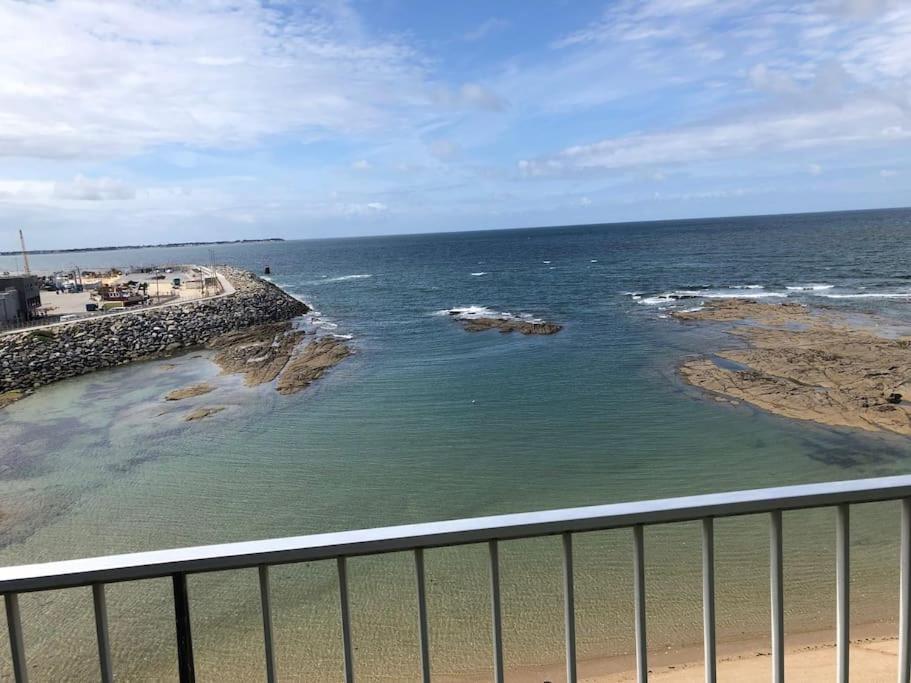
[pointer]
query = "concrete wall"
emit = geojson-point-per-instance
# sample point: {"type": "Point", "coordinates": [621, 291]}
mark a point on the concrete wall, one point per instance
{"type": "Point", "coordinates": [9, 307]}
{"type": "Point", "coordinates": [32, 358]}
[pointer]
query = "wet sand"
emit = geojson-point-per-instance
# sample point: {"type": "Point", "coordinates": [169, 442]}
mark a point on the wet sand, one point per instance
{"type": "Point", "coordinates": [809, 657]}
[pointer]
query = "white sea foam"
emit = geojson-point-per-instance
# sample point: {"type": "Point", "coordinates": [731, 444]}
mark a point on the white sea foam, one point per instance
{"type": "Point", "coordinates": [472, 312]}
{"type": "Point", "coordinates": [545, 261]}
{"type": "Point", "coordinates": [809, 287]}
{"type": "Point", "coordinates": [343, 336]}
{"type": "Point", "coordinates": [480, 273]}
{"type": "Point", "coordinates": [753, 292]}
{"type": "Point", "coordinates": [869, 295]}
{"type": "Point", "coordinates": [594, 260]}
{"type": "Point", "coordinates": [342, 278]}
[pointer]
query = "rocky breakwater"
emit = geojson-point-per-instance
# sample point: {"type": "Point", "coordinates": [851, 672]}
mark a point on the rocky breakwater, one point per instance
{"type": "Point", "coordinates": [808, 365]}
{"type": "Point", "coordinates": [32, 358]}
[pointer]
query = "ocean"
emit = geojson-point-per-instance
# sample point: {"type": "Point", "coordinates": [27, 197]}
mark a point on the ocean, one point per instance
{"type": "Point", "coordinates": [429, 422]}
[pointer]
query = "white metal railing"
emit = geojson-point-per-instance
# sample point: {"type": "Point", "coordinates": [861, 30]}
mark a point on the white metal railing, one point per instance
{"type": "Point", "coordinates": [416, 538]}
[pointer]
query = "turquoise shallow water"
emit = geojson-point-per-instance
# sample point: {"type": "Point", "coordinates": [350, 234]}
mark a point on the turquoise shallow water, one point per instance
{"type": "Point", "coordinates": [429, 422]}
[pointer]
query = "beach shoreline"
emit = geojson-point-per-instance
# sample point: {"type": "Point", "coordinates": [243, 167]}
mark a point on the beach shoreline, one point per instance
{"type": "Point", "coordinates": [809, 657]}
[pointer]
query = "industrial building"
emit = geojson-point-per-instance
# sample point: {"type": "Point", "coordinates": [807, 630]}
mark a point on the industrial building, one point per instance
{"type": "Point", "coordinates": [20, 298]}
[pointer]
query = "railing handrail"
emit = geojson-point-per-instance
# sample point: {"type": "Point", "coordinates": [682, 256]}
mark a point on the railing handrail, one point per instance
{"type": "Point", "coordinates": [246, 554]}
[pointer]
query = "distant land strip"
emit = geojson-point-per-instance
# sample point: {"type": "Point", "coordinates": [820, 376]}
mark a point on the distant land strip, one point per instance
{"type": "Point", "coordinates": [140, 246]}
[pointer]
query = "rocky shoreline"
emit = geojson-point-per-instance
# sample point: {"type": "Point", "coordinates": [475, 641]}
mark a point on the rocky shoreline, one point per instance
{"type": "Point", "coordinates": [806, 365]}
{"type": "Point", "coordinates": [33, 358]}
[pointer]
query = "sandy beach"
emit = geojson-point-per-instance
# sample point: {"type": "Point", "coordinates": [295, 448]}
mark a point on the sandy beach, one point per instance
{"type": "Point", "coordinates": [809, 658]}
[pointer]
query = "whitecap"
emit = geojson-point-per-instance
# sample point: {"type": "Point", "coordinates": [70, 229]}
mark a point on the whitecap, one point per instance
{"type": "Point", "coordinates": [480, 273]}
{"type": "Point", "coordinates": [474, 311]}
{"type": "Point", "coordinates": [594, 260]}
{"type": "Point", "coordinates": [809, 287]}
{"type": "Point", "coordinates": [545, 261]}
{"type": "Point", "coordinates": [343, 336]}
{"type": "Point", "coordinates": [869, 295]}
{"type": "Point", "coordinates": [341, 278]}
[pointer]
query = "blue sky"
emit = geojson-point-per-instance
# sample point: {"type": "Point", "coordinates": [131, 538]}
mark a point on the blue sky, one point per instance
{"type": "Point", "coordinates": [159, 120]}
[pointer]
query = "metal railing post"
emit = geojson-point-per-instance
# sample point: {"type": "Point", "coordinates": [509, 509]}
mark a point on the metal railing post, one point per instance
{"type": "Point", "coordinates": [186, 668]}
{"type": "Point", "coordinates": [346, 619]}
{"type": "Point", "coordinates": [423, 630]}
{"type": "Point", "coordinates": [266, 603]}
{"type": "Point", "coordinates": [776, 589]}
{"type": "Point", "coordinates": [569, 608]}
{"type": "Point", "coordinates": [708, 599]}
{"type": "Point", "coordinates": [495, 616]}
{"type": "Point", "coordinates": [843, 590]}
{"type": "Point", "coordinates": [101, 632]}
{"type": "Point", "coordinates": [639, 604]}
{"type": "Point", "coordinates": [16, 644]}
{"type": "Point", "coordinates": [904, 615]}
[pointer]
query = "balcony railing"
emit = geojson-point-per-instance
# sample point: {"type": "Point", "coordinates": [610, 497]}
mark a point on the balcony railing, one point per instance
{"type": "Point", "coordinates": [416, 538]}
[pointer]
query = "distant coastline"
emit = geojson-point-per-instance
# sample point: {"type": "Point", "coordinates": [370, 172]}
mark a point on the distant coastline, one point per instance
{"type": "Point", "coordinates": [81, 250]}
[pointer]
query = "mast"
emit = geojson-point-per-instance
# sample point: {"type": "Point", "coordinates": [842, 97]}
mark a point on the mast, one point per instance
{"type": "Point", "coordinates": [24, 254]}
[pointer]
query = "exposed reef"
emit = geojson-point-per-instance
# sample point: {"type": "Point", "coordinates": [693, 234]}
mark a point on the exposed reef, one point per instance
{"type": "Point", "coordinates": [189, 392]}
{"type": "Point", "coordinates": [480, 319]}
{"type": "Point", "coordinates": [807, 365]}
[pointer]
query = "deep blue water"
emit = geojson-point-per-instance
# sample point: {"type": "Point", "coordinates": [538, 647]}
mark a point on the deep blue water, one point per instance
{"type": "Point", "coordinates": [428, 421]}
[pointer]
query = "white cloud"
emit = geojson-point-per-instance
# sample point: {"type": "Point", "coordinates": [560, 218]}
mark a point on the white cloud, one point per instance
{"type": "Point", "coordinates": [486, 28]}
{"type": "Point", "coordinates": [361, 165]}
{"type": "Point", "coordinates": [814, 169]}
{"type": "Point", "coordinates": [96, 78]}
{"type": "Point", "coordinates": [444, 150]}
{"type": "Point", "coordinates": [888, 173]}
{"type": "Point", "coordinates": [469, 96]}
{"type": "Point", "coordinates": [860, 122]}
{"type": "Point", "coordinates": [585, 201]}
{"type": "Point", "coordinates": [93, 189]}
{"type": "Point", "coordinates": [80, 188]}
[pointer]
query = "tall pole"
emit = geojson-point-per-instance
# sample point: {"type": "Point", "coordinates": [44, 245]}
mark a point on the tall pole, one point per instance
{"type": "Point", "coordinates": [24, 254]}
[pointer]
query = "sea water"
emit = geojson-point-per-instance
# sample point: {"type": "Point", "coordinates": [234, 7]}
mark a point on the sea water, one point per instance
{"type": "Point", "coordinates": [429, 422]}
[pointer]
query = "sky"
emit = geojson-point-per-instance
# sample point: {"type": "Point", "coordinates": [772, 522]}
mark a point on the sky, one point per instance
{"type": "Point", "coordinates": [146, 121]}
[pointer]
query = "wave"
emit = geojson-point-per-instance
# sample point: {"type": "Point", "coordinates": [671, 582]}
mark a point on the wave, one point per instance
{"type": "Point", "coordinates": [744, 292]}
{"type": "Point", "coordinates": [545, 261]}
{"type": "Point", "coordinates": [480, 273]}
{"type": "Point", "coordinates": [809, 288]}
{"type": "Point", "coordinates": [341, 278]}
{"type": "Point", "coordinates": [869, 295]}
{"type": "Point", "coordinates": [474, 311]}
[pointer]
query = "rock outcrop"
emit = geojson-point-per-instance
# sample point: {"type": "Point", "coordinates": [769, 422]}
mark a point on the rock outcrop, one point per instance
{"type": "Point", "coordinates": [507, 325]}
{"type": "Point", "coordinates": [808, 366]}
{"type": "Point", "coordinates": [189, 392]}
{"type": "Point", "coordinates": [311, 363]}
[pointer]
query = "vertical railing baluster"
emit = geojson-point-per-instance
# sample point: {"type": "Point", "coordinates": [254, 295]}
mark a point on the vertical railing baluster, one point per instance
{"type": "Point", "coordinates": [423, 630]}
{"type": "Point", "coordinates": [186, 668]}
{"type": "Point", "coordinates": [495, 616]}
{"type": "Point", "coordinates": [569, 608]}
{"type": "Point", "coordinates": [843, 594]}
{"type": "Point", "coordinates": [346, 619]}
{"type": "Point", "coordinates": [101, 632]}
{"type": "Point", "coordinates": [265, 601]}
{"type": "Point", "coordinates": [639, 603]}
{"type": "Point", "coordinates": [16, 643]}
{"type": "Point", "coordinates": [776, 589]}
{"type": "Point", "coordinates": [708, 598]}
{"type": "Point", "coordinates": [904, 617]}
